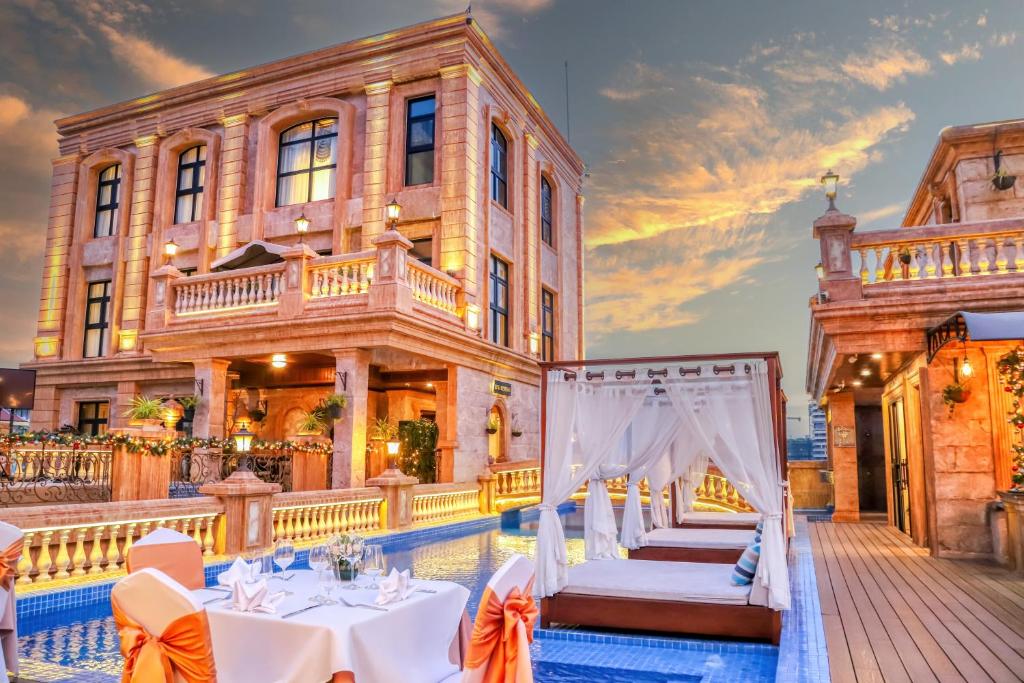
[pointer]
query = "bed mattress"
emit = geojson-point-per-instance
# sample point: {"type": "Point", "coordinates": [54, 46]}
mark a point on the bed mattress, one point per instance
{"type": "Point", "coordinates": [651, 580]}
{"type": "Point", "coordinates": [751, 518]}
{"type": "Point", "coordinates": [725, 539]}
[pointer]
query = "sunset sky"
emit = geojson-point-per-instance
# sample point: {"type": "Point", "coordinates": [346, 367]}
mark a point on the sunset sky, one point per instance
{"type": "Point", "coordinates": [704, 126]}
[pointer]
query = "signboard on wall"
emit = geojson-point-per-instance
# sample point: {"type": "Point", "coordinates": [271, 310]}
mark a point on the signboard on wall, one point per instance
{"type": "Point", "coordinates": [842, 437]}
{"type": "Point", "coordinates": [501, 387]}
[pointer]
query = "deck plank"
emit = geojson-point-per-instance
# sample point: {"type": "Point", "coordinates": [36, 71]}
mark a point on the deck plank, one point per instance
{"type": "Point", "coordinates": [891, 612]}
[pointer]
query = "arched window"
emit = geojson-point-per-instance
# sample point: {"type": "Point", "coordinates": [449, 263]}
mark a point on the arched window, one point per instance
{"type": "Point", "coordinates": [499, 166]}
{"type": "Point", "coordinates": [545, 212]}
{"type": "Point", "coordinates": [307, 162]}
{"type": "Point", "coordinates": [188, 205]}
{"type": "Point", "coordinates": [108, 190]}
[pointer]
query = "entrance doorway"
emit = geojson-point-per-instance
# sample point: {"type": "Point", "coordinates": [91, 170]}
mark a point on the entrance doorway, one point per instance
{"type": "Point", "coordinates": [898, 464]}
{"type": "Point", "coordinates": [496, 435]}
{"type": "Point", "coordinates": [870, 458]}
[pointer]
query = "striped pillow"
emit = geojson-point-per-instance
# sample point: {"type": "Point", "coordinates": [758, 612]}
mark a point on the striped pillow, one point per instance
{"type": "Point", "coordinates": [743, 572]}
{"type": "Point", "coordinates": [757, 531]}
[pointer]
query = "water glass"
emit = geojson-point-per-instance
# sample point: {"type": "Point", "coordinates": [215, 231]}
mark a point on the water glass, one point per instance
{"type": "Point", "coordinates": [328, 580]}
{"type": "Point", "coordinates": [353, 552]}
{"type": "Point", "coordinates": [373, 562]}
{"type": "Point", "coordinates": [284, 555]}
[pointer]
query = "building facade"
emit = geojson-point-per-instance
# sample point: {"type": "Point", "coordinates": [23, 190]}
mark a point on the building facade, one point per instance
{"type": "Point", "coordinates": [917, 411]}
{"type": "Point", "coordinates": [817, 431]}
{"type": "Point", "coordinates": [235, 239]}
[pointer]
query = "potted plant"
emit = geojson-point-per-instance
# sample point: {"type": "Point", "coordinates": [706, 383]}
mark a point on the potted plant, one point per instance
{"type": "Point", "coordinates": [335, 403]}
{"type": "Point", "coordinates": [189, 404]}
{"type": "Point", "coordinates": [311, 425]}
{"type": "Point", "coordinates": [383, 430]}
{"type": "Point", "coordinates": [1001, 180]}
{"type": "Point", "coordinates": [145, 412]}
{"type": "Point", "coordinates": [517, 429]}
{"type": "Point", "coordinates": [904, 256]}
{"type": "Point", "coordinates": [257, 415]}
{"type": "Point", "coordinates": [493, 424]}
{"type": "Point", "coordinates": [955, 393]}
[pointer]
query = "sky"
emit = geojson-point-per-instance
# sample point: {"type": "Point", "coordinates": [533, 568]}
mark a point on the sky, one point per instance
{"type": "Point", "coordinates": [704, 127]}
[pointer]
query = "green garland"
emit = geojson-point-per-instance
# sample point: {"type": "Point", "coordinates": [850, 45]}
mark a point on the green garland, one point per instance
{"type": "Point", "coordinates": [135, 444]}
{"type": "Point", "coordinates": [1011, 372]}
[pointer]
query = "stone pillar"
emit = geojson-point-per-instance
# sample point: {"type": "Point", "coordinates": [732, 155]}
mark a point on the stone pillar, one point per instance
{"type": "Point", "coordinates": [462, 176]}
{"type": "Point", "coordinates": [293, 298]}
{"type": "Point", "coordinates": [397, 491]}
{"type": "Point", "coordinates": [63, 189]}
{"type": "Point", "coordinates": [248, 511]}
{"type": "Point", "coordinates": [488, 493]}
{"type": "Point", "coordinates": [375, 160]}
{"type": "Point", "coordinates": [350, 430]}
{"type": "Point", "coordinates": [531, 180]}
{"type": "Point", "coordinates": [842, 446]}
{"type": "Point", "coordinates": [209, 419]}
{"type": "Point", "coordinates": [136, 269]}
{"type": "Point", "coordinates": [126, 391]}
{"type": "Point", "coordinates": [833, 232]}
{"type": "Point", "coordinates": [231, 186]}
{"type": "Point", "coordinates": [446, 394]}
{"type": "Point", "coordinates": [161, 308]}
{"type": "Point", "coordinates": [390, 290]}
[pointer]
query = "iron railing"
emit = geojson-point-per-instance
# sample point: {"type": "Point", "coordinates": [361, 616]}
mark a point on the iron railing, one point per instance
{"type": "Point", "coordinates": [36, 474]}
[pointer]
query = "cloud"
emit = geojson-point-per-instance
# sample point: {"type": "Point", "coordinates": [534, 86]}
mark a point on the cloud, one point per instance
{"type": "Point", "coordinates": [28, 138]}
{"type": "Point", "coordinates": [982, 19]}
{"type": "Point", "coordinates": [967, 53]}
{"type": "Point", "coordinates": [25, 240]}
{"type": "Point", "coordinates": [1003, 39]}
{"type": "Point", "coordinates": [153, 65]}
{"type": "Point", "coordinates": [638, 81]}
{"type": "Point", "coordinates": [885, 65]}
{"type": "Point", "coordinates": [490, 13]}
{"type": "Point", "coordinates": [868, 217]}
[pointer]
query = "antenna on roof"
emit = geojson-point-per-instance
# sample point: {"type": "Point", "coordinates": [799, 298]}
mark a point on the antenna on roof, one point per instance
{"type": "Point", "coordinates": [568, 123]}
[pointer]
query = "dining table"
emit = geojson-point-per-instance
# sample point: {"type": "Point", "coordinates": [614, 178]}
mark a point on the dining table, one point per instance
{"type": "Point", "coordinates": [413, 640]}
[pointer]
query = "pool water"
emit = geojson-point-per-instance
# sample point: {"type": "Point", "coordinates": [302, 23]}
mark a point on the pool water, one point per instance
{"type": "Point", "coordinates": [81, 643]}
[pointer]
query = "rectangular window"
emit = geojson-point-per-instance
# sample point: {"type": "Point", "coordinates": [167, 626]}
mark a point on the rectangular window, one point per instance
{"type": "Point", "coordinates": [419, 141]}
{"type": "Point", "coordinates": [93, 417]}
{"type": "Point", "coordinates": [188, 204]}
{"type": "Point", "coordinates": [423, 250]}
{"type": "Point", "coordinates": [547, 317]}
{"type": "Point", "coordinates": [97, 305]}
{"type": "Point", "coordinates": [499, 301]}
{"type": "Point", "coordinates": [188, 272]}
{"type": "Point", "coordinates": [307, 162]}
{"type": "Point", "coordinates": [499, 166]}
{"type": "Point", "coordinates": [545, 212]}
{"type": "Point", "coordinates": [108, 189]}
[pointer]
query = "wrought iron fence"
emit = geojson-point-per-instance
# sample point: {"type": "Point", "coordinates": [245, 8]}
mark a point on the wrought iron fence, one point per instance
{"type": "Point", "coordinates": [35, 474]}
{"type": "Point", "coordinates": [190, 470]}
{"type": "Point", "coordinates": [272, 467]}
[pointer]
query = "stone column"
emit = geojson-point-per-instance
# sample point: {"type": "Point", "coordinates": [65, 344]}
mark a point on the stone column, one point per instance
{"type": "Point", "coordinates": [397, 491]}
{"type": "Point", "coordinates": [63, 189]}
{"type": "Point", "coordinates": [295, 285]}
{"type": "Point", "coordinates": [842, 429]}
{"type": "Point", "coordinates": [531, 275]}
{"type": "Point", "coordinates": [231, 185]}
{"type": "Point", "coordinates": [350, 431]}
{"type": "Point", "coordinates": [390, 290]}
{"type": "Point", "coordinates": [447, 424]}
{"type": "Point", "coordinates": [375, 160]}
{"type": "Point", "coordinates": [248, 511]}
{"type": "Point", "coordinates": [209, 419]}
{"type": "Point", "coordinates": [833, 232]}
{"type": "Point", "coordinates": [136, 270]}
{"type": "Point", "coordinates": [126, 391]}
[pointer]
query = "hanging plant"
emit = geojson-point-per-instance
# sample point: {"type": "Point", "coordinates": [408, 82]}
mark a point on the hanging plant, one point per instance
{"type": "Point", "coordinates": [311, 424]}
{"type": "Point", "coordinates": [904, 256]}
{"type": "Point", "coordinates": [955, 393]}
{"type": "Point", "coordinates": [1001, 180]}
{"type": "Point", "coordinates": [1011, 375]}
{"type": "Point", "coordinates": [493, 424]}
{"type": "Point", "coordinates": [517, 429]}
{"type": "Point", "coordinates": [335, 403]}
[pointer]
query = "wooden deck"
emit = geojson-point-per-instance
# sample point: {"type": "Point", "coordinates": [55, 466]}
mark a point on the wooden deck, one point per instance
{"type": "Point", "coordinates": [893, 613]}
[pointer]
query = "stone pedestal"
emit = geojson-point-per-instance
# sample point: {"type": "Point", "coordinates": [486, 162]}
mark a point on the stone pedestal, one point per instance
{"type": "Point", "coordinates": [842, 441]}
{"type": "Point", "coordinates": [397, 490]}
{"type": "Point", "coordinates": [488, 493]}
{"type": "Point", "coordinates": [248, 512]}
{"type": "Point", "coordinates": [293, 298]}
{"type": "Point", "coordinates": [1014, 503]}
{"type": "Point", "coordinates": [833, 232]}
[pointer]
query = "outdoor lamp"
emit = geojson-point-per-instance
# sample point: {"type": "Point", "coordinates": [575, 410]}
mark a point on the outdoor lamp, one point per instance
{"type": "Point", "coordinates": [301, 226]}
{"type": "Point", "coordinates": [534, 343]}
{"type": "Point", "coordinates": [172, 411]}
{"type": "Point", "coordinates": [820, 271]}
{"type": "Point", "coordinates": [394, 210]}
{"type": "Point", "coordinates": [170, 250]}
{"type": "Point", "coordinates": [243, 442]}
{"type": "Point", "coordinates": [831, 183]}
{"type": "Point", "coordinates": [392, 454]}
{"type": "Point", "coordinates": [279, 360]}
{"type": "Point", "coordinates": [473, 317]}
{"type": "Point", "coordinates": [966, 369]}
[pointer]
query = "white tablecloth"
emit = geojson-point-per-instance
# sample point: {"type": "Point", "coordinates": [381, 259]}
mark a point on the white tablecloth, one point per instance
{"type": "Point", "coordinates": [409, 643]}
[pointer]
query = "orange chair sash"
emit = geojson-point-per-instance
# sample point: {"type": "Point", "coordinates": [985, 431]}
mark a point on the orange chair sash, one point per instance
{"type": "Point", "coordinates": [9, 562]}
{"type": "Point", "coordinates": [495, 643]}
{"type": "Point", "coordinates": [184, 647]}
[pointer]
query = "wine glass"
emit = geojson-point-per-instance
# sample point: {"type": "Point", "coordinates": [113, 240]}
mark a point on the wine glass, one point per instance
{"type": "Point", "coordinates": [327, 581]}
{"type": "Point", "coordinates": [353, 551]}
{"type": "Point", "coordinates": [373, 562]}
{"type": "Point", "coordinates": [284, 555]}
{"type": "Point", "coordinates": [254, 562]}
{"type": "Point", "coordinates": [319, 559]}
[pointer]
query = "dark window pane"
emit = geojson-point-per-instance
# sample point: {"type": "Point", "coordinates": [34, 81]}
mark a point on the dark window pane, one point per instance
{"type": "Point", "coordinates": [420, 168]}
{"type": "Point", "coordinates": [421, 107]}
{"type": "Point", "coordinates": [421, 133]}
{"type": "Point", "coordinates": [419, 141]}
{"type": "Point", "coordinates": [306, 162]}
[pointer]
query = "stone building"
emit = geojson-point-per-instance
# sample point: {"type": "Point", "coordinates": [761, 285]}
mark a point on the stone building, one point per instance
{"type": "Point", "coordinates": [888, 345]}
{"type": "Point", "coordinates": [233, 239]}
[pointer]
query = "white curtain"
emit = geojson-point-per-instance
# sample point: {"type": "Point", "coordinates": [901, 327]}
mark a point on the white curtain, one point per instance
{"type": "Point", "coordinates": [653, 432]}
{"type": "Point", "coordinates": [667, 471]}
{"type": "Point", "coordinates": [689, 482]}
{"type": "Point", "coordinates": [733, 422]}
{"type": "Point", "coordinates": [597, 415]}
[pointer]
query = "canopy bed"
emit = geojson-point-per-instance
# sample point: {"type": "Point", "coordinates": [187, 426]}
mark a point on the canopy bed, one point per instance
{"type": "Point", "coordinates": [694, 545]}
{"type": "Point", "coordinates": [657, 418]}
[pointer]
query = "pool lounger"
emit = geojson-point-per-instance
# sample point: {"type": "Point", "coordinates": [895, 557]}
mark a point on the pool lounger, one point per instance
{"type": "Point", "coordinates": [720, 520]}
{"type": "Point", "coordinates": [673, 597]}
{"type": "Point", "coordinates": [694, 545]}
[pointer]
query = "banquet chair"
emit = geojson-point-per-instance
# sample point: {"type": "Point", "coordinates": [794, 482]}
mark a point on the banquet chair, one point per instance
{"type": "Point", "coordinates": [173, 553]}
{"type": "Point", "coordinates": [11, 540]}
{"type": "Point", "coordinates": [161, 624]}
{"type": "Point", "coordinates": [509, 594]}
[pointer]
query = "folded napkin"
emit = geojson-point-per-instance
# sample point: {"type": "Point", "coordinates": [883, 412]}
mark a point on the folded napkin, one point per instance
{"type": "Point", "coordinates": [395, 588]}
{"type": "Point", "coordinates": [255, 597]}
{"type": "Point", "coordinates": [240, 570]}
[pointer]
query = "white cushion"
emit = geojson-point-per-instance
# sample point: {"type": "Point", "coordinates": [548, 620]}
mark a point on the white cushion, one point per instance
{"type": "Point", "coordinates": [651, 580]}
{"type": "Point", "coordinates": [725, 539]}
{"type": "Point", "coordinates": [750, 518]}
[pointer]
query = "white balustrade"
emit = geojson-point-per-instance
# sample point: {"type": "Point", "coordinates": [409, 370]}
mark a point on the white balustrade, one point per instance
{"type": "Point", "coordinates": [517, 483]}
{"type": "Point", "coordinates": [429, 506]}
{"type": "Point", "coordinates": [432, 287]}
{"type": "Point", "coordinates": [717, 490]}
{"type": "Point", "coordinates": [215, 292]}
{"type": "Point", "coordinates": [336, 276]}
{"type": "Point", "coordinates": [317, 520]}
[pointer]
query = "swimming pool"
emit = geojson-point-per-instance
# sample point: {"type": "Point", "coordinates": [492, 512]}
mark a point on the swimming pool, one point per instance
{"type": "Point", "coordinates": [71, 637]}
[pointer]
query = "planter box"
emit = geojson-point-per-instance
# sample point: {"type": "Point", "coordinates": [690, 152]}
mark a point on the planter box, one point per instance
{"type": "Point", "coordinates": [139, 475]}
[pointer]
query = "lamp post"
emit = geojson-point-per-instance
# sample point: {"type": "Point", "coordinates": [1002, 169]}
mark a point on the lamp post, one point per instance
{"type": "Point", "coordinates": [243, 443]}
{"type": "Point", "coordinates": [394, 212]}
{"type": "Point", "coordinates": [170, 250]}
{"type": "Point", "coordinates": [301, 226]}
{"type": "Point", "coordinates": [392, 445]}
{"type": "Point", "coordinates": [831, 183]}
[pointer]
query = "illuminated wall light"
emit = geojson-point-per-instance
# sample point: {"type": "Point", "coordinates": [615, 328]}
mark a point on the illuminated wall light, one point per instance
{"type": "Point", "coordinates": [876, 356]}
{"type": "Point", "coordinates": [966, 369]}
{"type": "Point", "coordinates": [534, 343]}
{"type": "Point", "coordinates": [279, 360]}
{"type": "Point", "coordinates": [473, 317]}
{"type": "Point", "coordinates": [128, 340]}
{"type": "Point", "coordinates": [45, 346]}
{"type": "Point", "coordinates": [865, 372]}
{"type": "Point", "coordinates": [857, 383]}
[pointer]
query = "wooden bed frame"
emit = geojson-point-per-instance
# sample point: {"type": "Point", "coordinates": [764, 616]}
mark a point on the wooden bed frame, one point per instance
{"type": "Point", "coordinates": [672, 553]}
{"type": "Point", "coordinates": [682, 618]}
{"type": "Point", "coordinates": [738, 526]}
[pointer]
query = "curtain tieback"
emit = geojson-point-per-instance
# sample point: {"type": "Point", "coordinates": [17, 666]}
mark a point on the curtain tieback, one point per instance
{"type": "Point", "coordinates": [784, 484]}
{"type": "Point", "coordinates": [633, 484]}
{"type": "Point", "coordinates": [549, 507]}
{"type": "Point", "coordinates": [774, 515]}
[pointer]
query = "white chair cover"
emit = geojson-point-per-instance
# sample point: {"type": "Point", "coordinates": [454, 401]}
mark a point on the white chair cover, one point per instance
{"type": "Point", "coordinates": [517, 572]}
{"type": "Point", "coordinates": [8, 612]}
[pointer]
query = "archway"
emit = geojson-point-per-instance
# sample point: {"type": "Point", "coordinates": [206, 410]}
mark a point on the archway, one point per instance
{"type": "Point", "coordinates": [497, 431]}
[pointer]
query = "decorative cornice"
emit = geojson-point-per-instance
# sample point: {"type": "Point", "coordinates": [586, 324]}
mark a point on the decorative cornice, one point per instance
{"type": "Point", "coordinates": [234, 120]}
{"type": "Point", "coordinates": [146, 141]}
{"type": "Point", "coordinates": [379, 87]}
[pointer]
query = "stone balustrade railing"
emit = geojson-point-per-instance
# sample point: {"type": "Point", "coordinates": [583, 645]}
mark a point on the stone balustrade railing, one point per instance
{"type": "Point", "coordinates": [230, 290]}
{"type": "Point", "coordinates": [716, 490]}
{"type": "Point", "coordinates": [432, 287]}
{"type": "Point", "coordinates": [335, 276]}
{"type": "Point", "coordinates": [308, 516]}
{"type": "Point", "coordinates": [63, 541]}
{"type": "Point", "coordinates": [959, 250]}
{"type": "Point", "coordinates": [516, 479]}
{"type": "Point", "coordinates": [438, 502]}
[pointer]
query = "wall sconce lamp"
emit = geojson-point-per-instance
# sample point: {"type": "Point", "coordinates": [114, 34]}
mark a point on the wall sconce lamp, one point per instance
{"type": "Point", "coordinates": [170, 251]}
{"type": "Point", "coordinates": [819, 270]}
{"type": "Point", "coordinates": [473, 317]}
{"type": "Point", "coordinates": [301, 226]}
{"type": "Point", "coordinates": [279, 360]}
{"type": "Point", "coordinates": [394, 212]}
{"type": "Point", "coordinates": [534, 343]}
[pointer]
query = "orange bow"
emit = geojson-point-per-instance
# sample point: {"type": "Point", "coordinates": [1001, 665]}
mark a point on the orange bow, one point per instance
{"type": "Point", "coordinates": [184, 647]}
{"type": "Point", "coordinates": [495, 643]}
{"type": "Point", "coordinates": [9, 562]}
